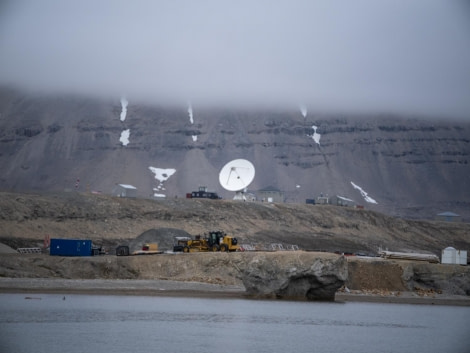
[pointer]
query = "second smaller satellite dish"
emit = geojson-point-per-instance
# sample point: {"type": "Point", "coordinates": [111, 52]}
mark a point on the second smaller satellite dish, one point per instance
{"type": "Point", "coordinates": [237, 175]}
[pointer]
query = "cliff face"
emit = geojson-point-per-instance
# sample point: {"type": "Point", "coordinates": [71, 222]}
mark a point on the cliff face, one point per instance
{"type": "Point", "coordinates": [290, 275]}
{"type": "Point", "coordinates": [313, 276]}
{"type": "Point", "coordinates": [421, 277]}
{"type": "Point", "coordinates": [410, 167]}
{"type": "Point", "coordinates": [302, 276]}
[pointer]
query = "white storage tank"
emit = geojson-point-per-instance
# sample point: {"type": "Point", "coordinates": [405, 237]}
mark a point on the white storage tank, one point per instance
{"type": "Point", "coordinates": [452, 256]}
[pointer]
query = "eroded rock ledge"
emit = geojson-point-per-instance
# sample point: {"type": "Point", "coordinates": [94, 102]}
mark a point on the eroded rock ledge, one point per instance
{"type": "Point", "coordinates": [290, 275]}
{"type": "Point", "coordinates": [294, 276]}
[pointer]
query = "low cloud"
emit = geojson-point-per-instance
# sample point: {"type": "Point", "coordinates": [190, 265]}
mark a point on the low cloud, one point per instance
{"type": "Point", "coordinates": [397, 56]}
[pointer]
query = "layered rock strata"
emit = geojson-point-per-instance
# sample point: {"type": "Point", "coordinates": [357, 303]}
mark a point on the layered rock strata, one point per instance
{"type": "Point", "coordinates": [294, 276]}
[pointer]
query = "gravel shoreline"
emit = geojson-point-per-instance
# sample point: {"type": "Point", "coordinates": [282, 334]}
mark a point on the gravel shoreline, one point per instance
{"type": "Point", "coordinates": [119, 287]}
{"type": "Point", "coordinates": [405, 298]}
{"type": "Point", "coordinates": [193, 289]}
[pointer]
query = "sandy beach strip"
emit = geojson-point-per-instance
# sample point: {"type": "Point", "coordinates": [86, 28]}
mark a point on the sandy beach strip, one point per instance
{"type": "Point", "coordinates": [193, 289]}
{"type": "Point", "coordinates": [405, 298]}
{"type": "Point", "coordinates": [119, 287]}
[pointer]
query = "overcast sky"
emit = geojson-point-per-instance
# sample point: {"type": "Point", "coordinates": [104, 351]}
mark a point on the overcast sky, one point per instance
{"type": "Point", "coordinates": [388, 56]}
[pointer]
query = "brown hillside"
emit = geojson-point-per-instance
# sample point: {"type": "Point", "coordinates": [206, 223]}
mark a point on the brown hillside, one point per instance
{"type": "Point", "coordinates": [25, 219]}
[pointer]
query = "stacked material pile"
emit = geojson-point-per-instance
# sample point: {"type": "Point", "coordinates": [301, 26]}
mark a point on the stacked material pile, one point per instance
{"type": "Point", "coordinates": [410, 256]}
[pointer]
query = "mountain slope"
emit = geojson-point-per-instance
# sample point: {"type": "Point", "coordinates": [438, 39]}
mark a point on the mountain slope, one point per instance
{"type": "Point", "coordinates": [411, 167]}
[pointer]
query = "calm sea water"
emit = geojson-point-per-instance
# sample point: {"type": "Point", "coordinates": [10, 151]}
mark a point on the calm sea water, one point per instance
{"type": "Point", "coordinates": [132, 324]}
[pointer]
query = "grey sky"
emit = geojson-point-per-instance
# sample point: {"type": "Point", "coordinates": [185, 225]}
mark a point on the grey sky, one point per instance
{"type": "Point", "coordinates": [387, 56]}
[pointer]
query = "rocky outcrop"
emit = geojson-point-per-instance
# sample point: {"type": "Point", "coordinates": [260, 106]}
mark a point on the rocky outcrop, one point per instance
{"type": "Point", "coordinates": [294, 276]}
{"type": "Point", "coordinates": [411, 276]}
{"type": "Point", "coordinates": [283, 275]}
{"type": "Point", "coordinates": [441, 278]}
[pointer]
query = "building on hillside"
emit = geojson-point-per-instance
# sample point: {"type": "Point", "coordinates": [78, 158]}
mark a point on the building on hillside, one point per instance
{"type": "Point", "coordinates": [245, 196]}
{"type": "Point", "coordinates": [203, 193]}
{"type": "Point", "coordinates": [271, 194]}
{"type": "Point", "coordinates": [125, 190]}
{"type": "Point", "coordinates": [250, 196]}
{"type": "Point", "coordinates": [341, 201]}
{"type": "Point", "coordinates": [323, 200]}
{"type": "Point", "coordinates": [448, 217]}
{"type": "Point", "coordinates": [452, 256]}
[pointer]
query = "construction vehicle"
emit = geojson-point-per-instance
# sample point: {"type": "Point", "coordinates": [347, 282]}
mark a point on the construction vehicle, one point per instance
{"type": "Point", "coordinates": [213, 241]}
{"type": "Point", "coordinates": [180, 243]}
{"type": "Point", "coordinates": [223, 241]}
{"type": "Point", "coordinates": [147, 249]}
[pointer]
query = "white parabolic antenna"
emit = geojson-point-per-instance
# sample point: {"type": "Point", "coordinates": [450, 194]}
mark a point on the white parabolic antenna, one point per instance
{"type": "Point", "coordinates": [237, 175]}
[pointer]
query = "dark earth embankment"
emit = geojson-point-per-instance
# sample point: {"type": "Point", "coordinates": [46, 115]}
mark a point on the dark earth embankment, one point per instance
{"type": "Point", "coordinates": [223, 274]}
{"type": "Point", "coordinates": [25, 220]}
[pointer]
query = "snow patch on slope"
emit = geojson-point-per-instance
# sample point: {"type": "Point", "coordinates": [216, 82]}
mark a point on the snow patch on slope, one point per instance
{"type": "Point", "coordinates": [161, 175]}
{"type": "Point", "coordinates": [303, 110]}
{"type": "Point", "coordinates": [315, 136]}
{"type": "Point", "coordinates": [364, 194]}
{"type": "Point", "coordinates": [158, 195]}
{"type": "Point", "coordinates": [124, 139]}
{"type": "Point", "coordinates": [124, 104]}
{"type": "Point", "coordinates": [191, 119]}
{"type": "Point", "coordinates": [190, 113]}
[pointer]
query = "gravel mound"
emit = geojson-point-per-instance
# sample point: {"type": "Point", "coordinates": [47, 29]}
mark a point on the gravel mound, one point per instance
{"type": "Point", "coordinates": [164, 237]}
{"type": "Point", "coordinates": [5, 249]}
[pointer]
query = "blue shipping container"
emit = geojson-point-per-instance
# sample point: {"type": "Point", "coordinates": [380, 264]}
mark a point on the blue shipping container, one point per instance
{"type": "Point", "coordinates": [70, 247]}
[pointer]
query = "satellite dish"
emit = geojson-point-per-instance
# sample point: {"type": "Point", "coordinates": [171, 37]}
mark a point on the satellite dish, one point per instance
{"type": "Point", "coordinates": [237, 175]}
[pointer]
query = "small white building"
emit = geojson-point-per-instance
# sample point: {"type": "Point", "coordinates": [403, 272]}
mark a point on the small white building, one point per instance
{"type": "Point", "coordinates": [448, 217]}
{"type": "Point", "coordinates": [452, 256]}
{"type": "Point", "coordinates": [125, 190]}
{"type": "Point", "coordinates": [341, 201]}
{"type": "Point", "coordinates": [271, 194]}
{"type": "Point", "coordinates": [323, 200]}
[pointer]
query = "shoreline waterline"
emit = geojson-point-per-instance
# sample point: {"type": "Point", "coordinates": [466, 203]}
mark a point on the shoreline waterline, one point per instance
{"type": "Point", "coordinates": [169, 288]}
